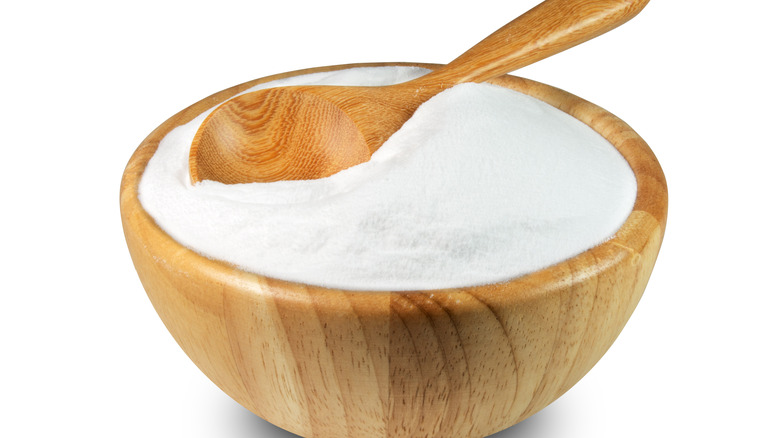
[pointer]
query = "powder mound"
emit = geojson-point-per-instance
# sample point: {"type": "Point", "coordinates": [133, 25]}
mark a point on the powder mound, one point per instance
{"type": "Point", "coordinates": [481, 185]}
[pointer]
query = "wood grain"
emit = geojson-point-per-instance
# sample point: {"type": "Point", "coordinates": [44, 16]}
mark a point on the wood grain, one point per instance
{"type": "Point", "coordinates": [447, 363]}
{"type": "Point", "coordinates": [247, 138]}
{"type": "Point", "coordinates": [310, 132]}
{"type": "Point", "coordinates": [549, 28]}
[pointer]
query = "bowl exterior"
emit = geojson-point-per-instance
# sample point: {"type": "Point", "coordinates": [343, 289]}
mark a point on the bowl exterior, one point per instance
{"type": "Point", "coordinates": [461, 362]}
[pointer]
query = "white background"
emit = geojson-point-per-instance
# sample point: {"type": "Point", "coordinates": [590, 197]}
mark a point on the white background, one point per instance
{"type": "Point", "coordinates": [82, 352]}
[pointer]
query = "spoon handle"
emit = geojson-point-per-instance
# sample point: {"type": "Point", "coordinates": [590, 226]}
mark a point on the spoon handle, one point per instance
{"type": "Point", "coordinates": [549, 28]}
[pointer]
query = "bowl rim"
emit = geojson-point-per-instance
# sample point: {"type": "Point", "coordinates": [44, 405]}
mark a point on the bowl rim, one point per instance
{"type": "Point", "coordinates": [648, 216]}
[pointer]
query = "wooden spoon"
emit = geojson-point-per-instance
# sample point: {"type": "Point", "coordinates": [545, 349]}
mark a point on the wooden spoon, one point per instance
{"type": "Point", "coordinates": [309, 132]}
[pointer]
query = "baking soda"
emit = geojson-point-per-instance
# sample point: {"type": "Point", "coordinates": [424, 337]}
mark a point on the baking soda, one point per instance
{"type": "Point", "coordinates": [483, 184]}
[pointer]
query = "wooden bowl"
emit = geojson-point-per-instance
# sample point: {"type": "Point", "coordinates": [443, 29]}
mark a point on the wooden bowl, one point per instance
{"type": "Point", "coordinates": [447, 363]}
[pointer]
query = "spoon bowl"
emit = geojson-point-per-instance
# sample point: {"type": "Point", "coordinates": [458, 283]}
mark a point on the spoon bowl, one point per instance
{"type": "Point", "coordinates": [268, 136]}
{"type": "Point", "coordinates": [313, 132]}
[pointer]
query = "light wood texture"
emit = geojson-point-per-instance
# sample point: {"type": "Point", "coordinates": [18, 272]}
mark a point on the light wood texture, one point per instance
{"type": "Point", "coordinates": [311, 132]}
{"type": "Point", "coordinates": [448, 363]}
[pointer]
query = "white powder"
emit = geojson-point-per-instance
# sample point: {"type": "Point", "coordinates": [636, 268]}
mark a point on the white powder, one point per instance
{"type": "Point", "coordinates": [481, 185]}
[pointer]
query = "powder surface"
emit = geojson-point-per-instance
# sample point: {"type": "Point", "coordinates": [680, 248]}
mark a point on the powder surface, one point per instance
{"type": "Point", "coordinates": [481, 185]}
